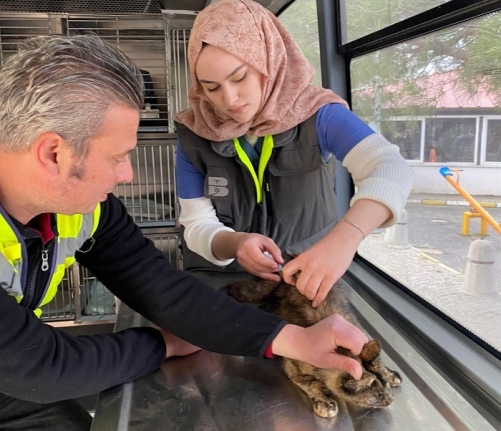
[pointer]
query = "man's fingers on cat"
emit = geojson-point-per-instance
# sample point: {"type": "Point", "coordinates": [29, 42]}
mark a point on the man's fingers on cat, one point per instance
{"type": "Point", "coordinates": [348, 335]}
{"type": "Point", "coordinates": [351, 366]}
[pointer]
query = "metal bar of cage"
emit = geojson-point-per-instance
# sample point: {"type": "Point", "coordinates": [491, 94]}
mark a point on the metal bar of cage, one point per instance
{"type": "Point", "coordinates": [151, 196]}
{"type": "Point", "coordinates": [180, 69]}
{"type": "Point", "coordinates": [144, 39]}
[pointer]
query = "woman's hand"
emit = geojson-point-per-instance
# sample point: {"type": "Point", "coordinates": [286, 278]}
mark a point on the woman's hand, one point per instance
{"type": "Point", "coordinates": [325, 262]}
{"type": "Point", "coordinates": [322, 264]}
{"type": "Point", "coordinates": [248, 249]}
{"type": "Point", "coordinates": [249, 254]}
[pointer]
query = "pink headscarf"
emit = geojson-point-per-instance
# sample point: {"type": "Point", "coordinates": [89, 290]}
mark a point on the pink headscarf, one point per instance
{"type": "Point", "coordinates": [251, 33]}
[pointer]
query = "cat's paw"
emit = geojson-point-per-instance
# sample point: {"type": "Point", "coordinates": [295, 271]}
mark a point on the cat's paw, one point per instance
{"type": "Point", "coordinates": [325, 409]}
{"type": "Point", "coordinates": [392, 378]}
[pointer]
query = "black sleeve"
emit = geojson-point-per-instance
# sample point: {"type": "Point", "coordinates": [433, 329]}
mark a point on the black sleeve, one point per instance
{"type": "Point", "coordinates": [140, 275]}
{"type": "Point", "coordinates": [41, 364]}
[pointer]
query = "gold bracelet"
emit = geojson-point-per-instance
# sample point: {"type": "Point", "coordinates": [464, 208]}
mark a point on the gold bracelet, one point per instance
{"type": "Point", "coordinates": [355, 226]}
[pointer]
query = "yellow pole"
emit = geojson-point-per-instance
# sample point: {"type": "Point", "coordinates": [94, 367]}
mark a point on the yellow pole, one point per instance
{"type": "Point", "coordinates": [447, 174]}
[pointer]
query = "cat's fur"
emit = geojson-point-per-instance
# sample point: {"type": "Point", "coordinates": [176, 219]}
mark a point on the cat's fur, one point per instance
{"type": "Point", "coordinates": [322, 386]}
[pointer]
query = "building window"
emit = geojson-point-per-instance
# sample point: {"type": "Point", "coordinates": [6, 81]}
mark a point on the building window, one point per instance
{"type": "Point", "coordinates": [493, 140]}
{"type": "Point", "coordinates": [406, 134]}
{"type": "Point", "coordinates": [450, 140]}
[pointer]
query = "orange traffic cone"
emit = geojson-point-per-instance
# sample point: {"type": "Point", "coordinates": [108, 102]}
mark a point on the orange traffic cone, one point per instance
{"type": "Point", "coordinates": [432, 158]}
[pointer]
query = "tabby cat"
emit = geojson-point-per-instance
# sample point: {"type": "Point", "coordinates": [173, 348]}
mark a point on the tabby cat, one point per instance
{"type": "Point", "coordinates": [320, 385]}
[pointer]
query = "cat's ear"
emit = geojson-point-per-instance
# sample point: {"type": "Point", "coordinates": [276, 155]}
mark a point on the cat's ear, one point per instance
{"type": "Point", "coordinates": [370, 351]}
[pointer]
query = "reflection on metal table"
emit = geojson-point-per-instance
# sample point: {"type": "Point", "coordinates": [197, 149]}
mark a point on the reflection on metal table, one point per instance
{"type": "Point", "coordinates": [212, 392]}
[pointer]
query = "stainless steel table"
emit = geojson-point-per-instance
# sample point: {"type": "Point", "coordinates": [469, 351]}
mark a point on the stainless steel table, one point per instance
{"type": "Point", "coordinates": [212, 392]}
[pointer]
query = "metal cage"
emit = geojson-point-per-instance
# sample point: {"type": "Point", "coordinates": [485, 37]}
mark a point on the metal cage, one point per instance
{"type": "Point", "coordinates": [81, 296]}
{"type": "Point", "coordinates": [157, 43]}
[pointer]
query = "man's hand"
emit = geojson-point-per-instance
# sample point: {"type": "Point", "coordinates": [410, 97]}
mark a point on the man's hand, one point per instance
{"type": "Point", "coordinates": [175, 346]}
{"type": "Point", "coordinates": [317, 344]}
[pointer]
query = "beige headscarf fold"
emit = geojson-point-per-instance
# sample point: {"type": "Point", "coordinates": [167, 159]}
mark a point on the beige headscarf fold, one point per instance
{"type": "Point", "coordinates": [251, 33]}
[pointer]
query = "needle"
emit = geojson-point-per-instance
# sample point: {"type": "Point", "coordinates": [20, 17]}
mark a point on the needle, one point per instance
{"type": "Point", "coordinates": [269, 256]}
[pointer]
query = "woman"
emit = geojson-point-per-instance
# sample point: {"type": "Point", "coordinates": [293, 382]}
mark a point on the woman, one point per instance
{"type": "Point", "coordinates": [255, 167]}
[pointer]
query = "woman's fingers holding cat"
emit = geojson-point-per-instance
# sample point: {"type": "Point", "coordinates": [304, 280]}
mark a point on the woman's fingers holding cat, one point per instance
{"type": "Point", "coordinates": [250, 256]}
{"type": "Point", "coordinates": [310, 276]}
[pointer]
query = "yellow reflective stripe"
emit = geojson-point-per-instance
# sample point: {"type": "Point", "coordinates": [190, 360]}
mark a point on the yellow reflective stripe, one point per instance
{"type": "Point", "coordinates": [69, 226]}
{"type": "Point", "coordinates": [263, 162]}
{"type": "Point", "coordinates": [97, 216]}
{"type": "Point", "coordinates": [265, 157]}
{"type": "Point", "coordinates": [7, 234]}
{"type": "Point", "coordinates": [12, 253]}
{"type": "Point", "coordinates": [245, 160]}
{"type": "Point", "coordinates": [37, 312]}
{"type": "Point", "coordinates": [54, 284]}
{"type": "Point", "coordinates": [10, 246]}
{"type": "Point", "coordinates": [69, 261]}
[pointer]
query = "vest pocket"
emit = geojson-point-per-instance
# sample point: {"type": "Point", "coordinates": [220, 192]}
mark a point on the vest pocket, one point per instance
{"type": "Point", "coordinates": [294, 162]}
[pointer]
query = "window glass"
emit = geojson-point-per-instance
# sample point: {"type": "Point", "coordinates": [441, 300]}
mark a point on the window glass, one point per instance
{"type": "Point", "coordinates": [406, 134]}
{"type": "Point", "coordinates": [450, 139]}
{"type": "Point", "coordinates": [362, 17]}
{"type": "Point", "coordinates": [493, 140]}
{"type": "Point", "coordinates": [437, 98]}
{"type": "Point", "coordinates": [300, 19]}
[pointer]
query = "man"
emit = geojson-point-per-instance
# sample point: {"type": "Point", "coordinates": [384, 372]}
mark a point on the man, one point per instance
{"type": "Point", "coordinates": [69, 114]}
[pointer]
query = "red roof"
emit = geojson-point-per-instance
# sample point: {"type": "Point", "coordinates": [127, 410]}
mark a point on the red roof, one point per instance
{"type": "Point", "coordinates": [442, 91]}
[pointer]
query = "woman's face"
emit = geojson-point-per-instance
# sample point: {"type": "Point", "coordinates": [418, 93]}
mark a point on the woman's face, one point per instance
{"type": "Point", "coordinates": [232, 86]}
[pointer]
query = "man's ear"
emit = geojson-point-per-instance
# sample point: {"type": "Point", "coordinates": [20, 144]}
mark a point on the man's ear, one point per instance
{"type": "Point", "coordinates": [50, 152]}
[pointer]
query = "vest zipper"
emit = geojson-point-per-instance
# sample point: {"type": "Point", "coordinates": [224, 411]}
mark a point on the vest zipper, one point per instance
{"type": "Point", "coordinates": [45, 260]}
{"type": "Point", "coordinates": [41, 264]}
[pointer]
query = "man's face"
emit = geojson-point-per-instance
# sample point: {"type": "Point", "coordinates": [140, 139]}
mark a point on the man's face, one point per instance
{"type": "Point", "coordinates": [106, 164]}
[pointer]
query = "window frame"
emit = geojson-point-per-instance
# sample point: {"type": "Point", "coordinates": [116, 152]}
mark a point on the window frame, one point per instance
{"type": "Point", "coordinates": [469, 363]}
{"type": "Point", "coordinates": [483, 150]}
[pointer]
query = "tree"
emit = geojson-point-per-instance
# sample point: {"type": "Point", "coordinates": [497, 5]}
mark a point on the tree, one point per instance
{"type": "Point", "coordinates": [409, 78]}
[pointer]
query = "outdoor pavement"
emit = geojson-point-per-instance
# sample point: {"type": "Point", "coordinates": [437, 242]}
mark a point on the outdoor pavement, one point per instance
{"type": "Point", "coordinates": [434, 261]}
{"type": "Point", "coordinates": [452, 199]}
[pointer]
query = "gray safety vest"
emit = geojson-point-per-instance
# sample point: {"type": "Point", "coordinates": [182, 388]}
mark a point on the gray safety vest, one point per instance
{"type": "Point", "coordinates": [289, 199]}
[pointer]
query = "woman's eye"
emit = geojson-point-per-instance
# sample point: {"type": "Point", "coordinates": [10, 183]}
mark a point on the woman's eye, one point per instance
{"type": "Point", "coordinates": [242, 78]}
{"type": "Point", "coordinates": [210, 90]}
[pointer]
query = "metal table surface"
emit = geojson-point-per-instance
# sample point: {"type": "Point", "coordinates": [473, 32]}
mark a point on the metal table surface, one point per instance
{"type": "Point", "coordinates": [212, 392]}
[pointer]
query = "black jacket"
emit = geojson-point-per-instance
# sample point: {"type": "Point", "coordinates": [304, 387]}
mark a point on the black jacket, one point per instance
{"type": "Point", "coordinates": [41, 364]}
